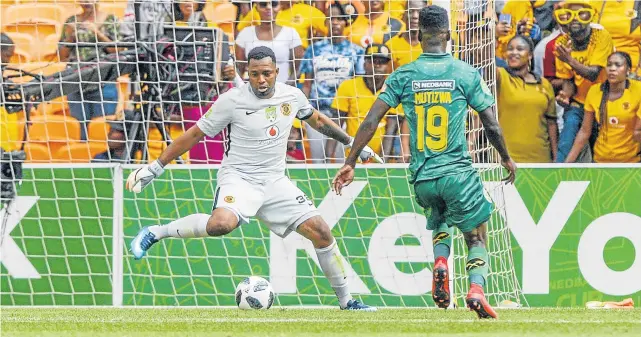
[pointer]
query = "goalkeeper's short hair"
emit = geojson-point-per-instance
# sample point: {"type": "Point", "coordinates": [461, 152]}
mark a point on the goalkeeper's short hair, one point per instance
{"type": "Point", "coordinates": [260, 53]}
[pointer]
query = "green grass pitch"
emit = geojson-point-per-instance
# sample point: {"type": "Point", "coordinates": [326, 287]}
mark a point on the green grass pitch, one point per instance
{"type": "Point", "coordinates": [159, 322]}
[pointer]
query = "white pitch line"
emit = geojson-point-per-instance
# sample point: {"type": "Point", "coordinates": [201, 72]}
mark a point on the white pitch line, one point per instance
{"type": "Point", "coordinates": [299, 320]}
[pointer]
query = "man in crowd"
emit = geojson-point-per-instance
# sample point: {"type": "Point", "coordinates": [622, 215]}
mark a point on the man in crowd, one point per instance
{"type": "Point", "coordinates": [581, 56]}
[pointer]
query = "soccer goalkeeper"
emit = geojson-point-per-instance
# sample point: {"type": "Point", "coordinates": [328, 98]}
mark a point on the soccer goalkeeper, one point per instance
{"type": "Point", "coordinates": [252, 181]}
{"type": "Point", "coordinates": [435, 91]}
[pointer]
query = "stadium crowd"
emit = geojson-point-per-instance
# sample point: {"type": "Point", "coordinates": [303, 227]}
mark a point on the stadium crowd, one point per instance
{"type": "Point", "coordinates": [566, 75]}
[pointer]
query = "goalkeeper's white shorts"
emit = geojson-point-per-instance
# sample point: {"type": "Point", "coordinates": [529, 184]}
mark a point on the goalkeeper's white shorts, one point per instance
{"type": "Point", "coordinates": [279, 204]}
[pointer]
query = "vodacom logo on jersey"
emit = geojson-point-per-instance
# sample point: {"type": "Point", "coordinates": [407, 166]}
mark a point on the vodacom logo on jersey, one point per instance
{"type": "Point", "coordinates": [272, 132]}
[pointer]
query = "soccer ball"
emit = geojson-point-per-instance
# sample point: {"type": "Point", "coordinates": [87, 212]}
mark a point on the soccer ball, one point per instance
{"type": "Point", "coordinates": [254, 293]}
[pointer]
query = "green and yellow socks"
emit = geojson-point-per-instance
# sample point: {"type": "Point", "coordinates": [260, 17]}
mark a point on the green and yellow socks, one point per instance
{"type": "Point", "coordinates": [476, 266]}
{"type": "Point", "coordinates": [442, 241]}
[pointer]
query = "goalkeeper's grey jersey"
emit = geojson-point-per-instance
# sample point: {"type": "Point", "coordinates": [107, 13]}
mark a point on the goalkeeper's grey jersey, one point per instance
{"type": "Point", "coordinates": [258, 129]}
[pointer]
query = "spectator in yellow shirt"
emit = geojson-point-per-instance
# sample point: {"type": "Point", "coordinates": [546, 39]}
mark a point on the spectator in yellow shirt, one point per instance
{"type": "Point", "coordinates": [615, 106]}
{"type": "Point", "coordinates": [406, 47]}
{"type": "Point", "coordinates": [396, 8]}
{"type": "Point", "coordinates": [356, 96]}
{"type": "Point", "coordinates": [307, 20]}
{"type": "Point", "coordinates": [527, 106]}
{"type": "Point", "coordinates": [581, 56]}
{"type": "Point", "coordinates": [622, 19]}
{"type": "Point", "coordinates": [10, 135]}
{"type": "Point", "coordinates": [375, 25]}
{"type": "Point", "coordinates": [514, 12]}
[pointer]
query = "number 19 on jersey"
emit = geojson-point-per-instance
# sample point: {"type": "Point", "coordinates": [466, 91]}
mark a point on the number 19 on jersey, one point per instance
{"type": "Point", "coordinates": [434, 121]}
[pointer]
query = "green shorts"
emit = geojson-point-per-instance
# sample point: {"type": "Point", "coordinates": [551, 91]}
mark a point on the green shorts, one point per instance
{"type": "Point", "coordinates": [456, 200]}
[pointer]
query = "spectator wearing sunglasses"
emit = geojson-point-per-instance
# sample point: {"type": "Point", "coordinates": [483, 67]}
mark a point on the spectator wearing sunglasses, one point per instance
{"type": "Point", "coordinates": [326, 65]}
{"type": "Point", "coordinates": [284, 41]}
{"type": "Point", "coordinates": [621, 20]}
{"type": "Point", "coordinates": [581, 56]}
{"type": "Point", "coordinates": [308, 20]}
{"type": "Point", "coordinates": [615, 106]}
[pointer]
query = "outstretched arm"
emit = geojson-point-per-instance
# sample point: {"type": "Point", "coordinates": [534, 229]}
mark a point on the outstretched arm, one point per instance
{"type": "Point", "coordinates": [366, 130]}
{"type": "Point", "coordinates": [327, 127]}
{"type": "Point", "coordinates": [345, 175]}
{"type": "Point", "coordinates": [181, 145]}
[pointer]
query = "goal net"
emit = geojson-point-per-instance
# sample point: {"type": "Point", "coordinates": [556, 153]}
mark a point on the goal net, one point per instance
{"type": "Point", "coordinates": [65, 237]}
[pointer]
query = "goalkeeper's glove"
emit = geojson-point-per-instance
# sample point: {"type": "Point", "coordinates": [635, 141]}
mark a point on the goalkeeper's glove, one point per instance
{"type": "Point", "coordinates": [141, 177]}
{"type": "Point", "coordinates": [366, 153]}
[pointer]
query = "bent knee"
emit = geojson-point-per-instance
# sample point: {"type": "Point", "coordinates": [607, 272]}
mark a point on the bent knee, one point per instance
{"type": "Point", "coordinates": [477, 237]}
{"type": "Point", "coordinates": [317, 231]}
{"type": "Point", "coordinates": [221, 222]}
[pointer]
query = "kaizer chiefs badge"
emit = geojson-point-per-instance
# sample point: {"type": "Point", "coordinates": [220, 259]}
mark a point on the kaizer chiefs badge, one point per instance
{"type": "Point", "coordinates": [286, 109]}
{"type": "Point", "coordinates": [270, 114]}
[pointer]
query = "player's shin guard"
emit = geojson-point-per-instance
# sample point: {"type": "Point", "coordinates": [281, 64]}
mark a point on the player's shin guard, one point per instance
{"type": "Point", "coordinates": [331, 262]}
{"type": "Point", "coordinates": [442, 241]}
{"type": "Point", "coordinates": [477, 270]}
{"type": "Point", "coordinates": [476, 265]}
{"type": "Point", "coordinates": [191, 226]}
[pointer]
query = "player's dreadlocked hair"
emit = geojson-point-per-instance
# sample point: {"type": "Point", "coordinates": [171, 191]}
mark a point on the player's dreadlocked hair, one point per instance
{"type": "Point", "coordinates": [260, 53]}
{"type": "Point", "coordinates": [605, 88]}
{"type": "Point", "coordinates": [433, 20]}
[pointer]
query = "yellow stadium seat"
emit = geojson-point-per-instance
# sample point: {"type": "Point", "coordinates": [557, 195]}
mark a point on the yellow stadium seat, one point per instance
{"type": "Point", "coordinates": [23, 41]}
{"type": "Point", "coordinates": [37, 153]}
{"type": "Point", "coordinates": [57, 106]}
{"type": "Point", "coordinates": [80, 152]}
{"type": "Point", "coordinates": [53, 131]}
{"type": "Point", "coordinates": [35, 19]}
{"type": "Point", "coordinates": [223, 15]}
{"type": "Point", "coordinates": [98, 129]}
{"type": "Point", "coordinates": [36, 12]}
{"type": "Point", "coordinates": [49, 128]}
{"type": "Point", "coordinates": [46, 50]}
{"type": "Point", "coordinates": [20, 56]}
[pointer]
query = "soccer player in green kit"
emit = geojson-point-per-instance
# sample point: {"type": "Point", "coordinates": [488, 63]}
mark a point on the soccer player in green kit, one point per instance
{"type": "Point", "coordinates": [435, 91]}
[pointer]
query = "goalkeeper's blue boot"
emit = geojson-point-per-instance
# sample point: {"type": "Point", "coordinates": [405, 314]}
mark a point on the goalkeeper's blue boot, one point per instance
{"type": "Point", "coordinates": [356, 305]}
{"type": "Point", "coordinates": [142, 242]}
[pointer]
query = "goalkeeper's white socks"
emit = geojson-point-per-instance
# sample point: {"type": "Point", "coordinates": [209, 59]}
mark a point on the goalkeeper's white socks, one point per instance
{"type": "Point", "coordinates": [331, 262]}
{"type": "Point", "coordinates": [191, 226]}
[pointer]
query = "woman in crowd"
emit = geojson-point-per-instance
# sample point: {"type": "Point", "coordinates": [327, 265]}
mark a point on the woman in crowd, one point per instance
{"type": "Point", "coordinates": [615, 106]}
{"type": "Point", "coordinates": [325, 65]}
{"type": "Point", "coordinates": [284, 41]}
{"type": "Point", "coordinates": [621, 20]}
{"type": "Point", "coordinates": [85, 38]}
{"type": "Point", "coordinates": [527, 106]}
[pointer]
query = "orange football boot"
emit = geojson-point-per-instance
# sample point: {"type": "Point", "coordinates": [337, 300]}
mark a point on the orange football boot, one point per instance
{"type": "Point", "coordinates": [476, 302]}
{"type": "Point", "coordinates": [441, 283]}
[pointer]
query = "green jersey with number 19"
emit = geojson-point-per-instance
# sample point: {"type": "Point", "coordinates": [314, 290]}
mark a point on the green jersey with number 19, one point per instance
{"type": "Point", "coordinates": [435, 91]}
